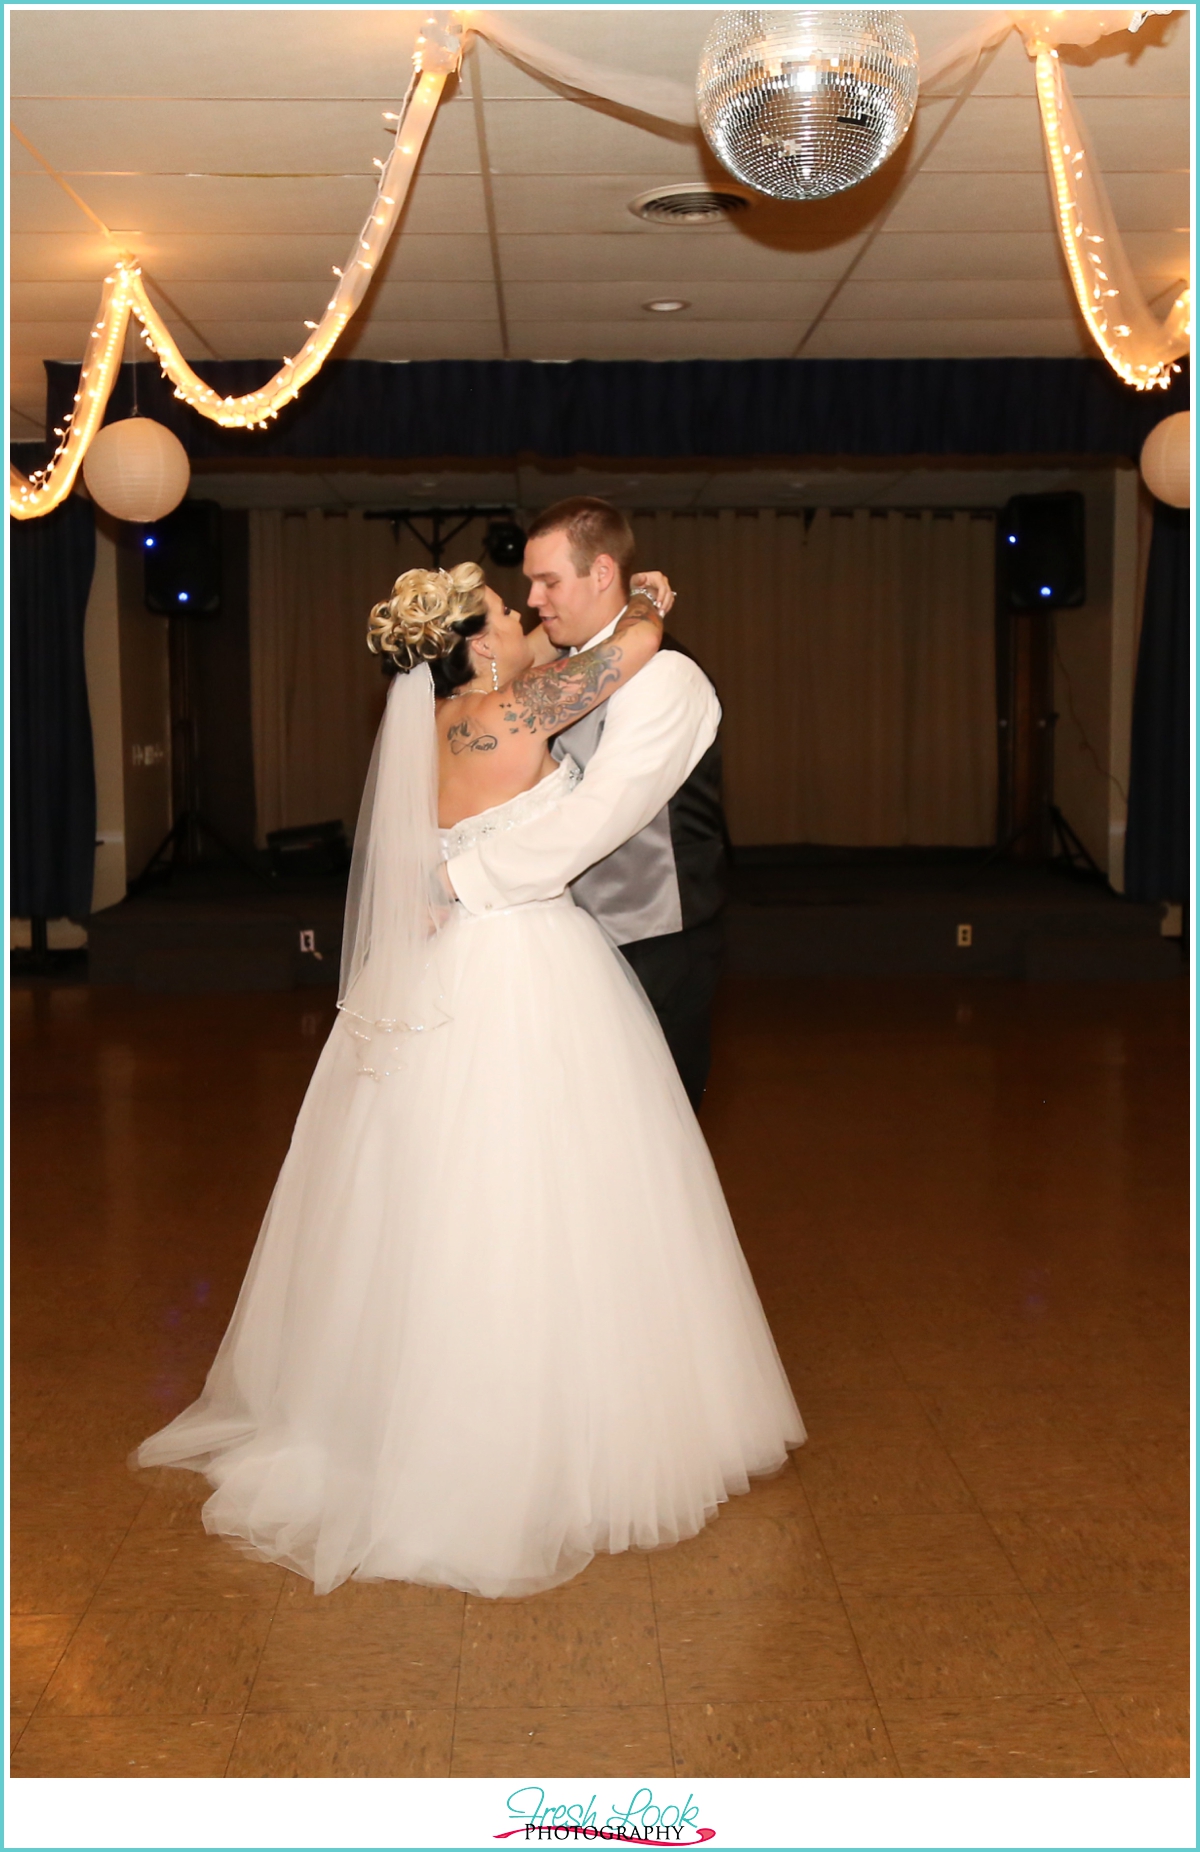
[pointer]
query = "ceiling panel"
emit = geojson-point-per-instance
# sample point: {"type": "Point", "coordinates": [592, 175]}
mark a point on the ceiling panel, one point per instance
{"type": "Point", "coordinates": [246, 137]}
{"type": "Point", "coordinates": [959, 301]}
{"type": "Point", "coordinates": [1154, 62]}
{"type": "Point", "coordinates": [284, 257]}
{"type": "Point", "coordinates": [1153, 202]}
{"type": "Point", "coordinates": [397, 299]}
{"type": "Point", "coordinates": [656, 254]}
{"type": "Point", "coordinates": [947, 339]}
{"type": "Point", "coordinates": [155, 202]}
{"type": "Point", "coordinates": [66, 339]}
{"type": "Point", "coordinates": [374, 340]}
{"type": "Point", "coordinates": [974, 202]}
{"type": "Point", "coordinates": [553, 136]}
{"type": "Point", "coordinates": [180, 51]}
{"type": "Point", "coordinates": [1138, 134]}
{"type": "Point", "coordinates": [939, 256]}
{"type": "Point", "coordinates": [598, 302]}
{"type": "Point", "coordinates": [994, 134]}
{"type": "Point", "coordinates": [649, 340]}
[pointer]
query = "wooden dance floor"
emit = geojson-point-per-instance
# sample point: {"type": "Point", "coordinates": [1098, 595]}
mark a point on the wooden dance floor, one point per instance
{"type": "Point", "coordinates": [965, 1204]}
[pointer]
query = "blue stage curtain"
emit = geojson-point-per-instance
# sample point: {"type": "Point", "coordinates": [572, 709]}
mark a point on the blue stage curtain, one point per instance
{"type": "Point", "coordinates": [52, 779]}
{"type": "Point", "coordinates": [667, 409]}
{"type": "Point", "coordinates": [1158, 842]}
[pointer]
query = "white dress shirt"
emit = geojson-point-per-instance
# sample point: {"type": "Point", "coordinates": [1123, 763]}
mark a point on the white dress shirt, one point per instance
{"type": "Point", "coordinates": [657, 727]}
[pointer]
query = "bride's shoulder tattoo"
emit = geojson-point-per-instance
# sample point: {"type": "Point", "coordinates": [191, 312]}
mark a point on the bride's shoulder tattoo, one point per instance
{"type": "Point", "coordinates": [465, 736]}
{"type": "Point", "coordinates": [547, 699]}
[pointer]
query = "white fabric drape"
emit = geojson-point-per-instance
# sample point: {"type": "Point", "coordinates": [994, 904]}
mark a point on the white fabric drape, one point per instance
{"type": "Point", "coordinates": [854, 655]}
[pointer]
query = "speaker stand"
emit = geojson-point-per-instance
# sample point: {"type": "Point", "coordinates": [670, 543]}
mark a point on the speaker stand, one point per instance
{"type": "Point", "coordinates": [1070, 854]}
{"type": "Point", "coordinates": [182, 843]}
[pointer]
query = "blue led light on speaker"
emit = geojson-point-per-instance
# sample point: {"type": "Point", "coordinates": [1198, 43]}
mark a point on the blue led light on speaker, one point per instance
{"type": "Point", "coordinates": [1044, 590]}
{"type": "Point", "coordinates": [1012, 540]}
{"type": "Point", "coordinates": [183, 597]}
{"type": "Point", "coordinates": [149, 540]}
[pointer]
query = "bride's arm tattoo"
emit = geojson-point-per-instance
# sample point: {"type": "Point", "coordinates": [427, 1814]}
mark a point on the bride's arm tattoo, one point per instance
{"type": "Point", "coordinates": [553, 697]}
{"type": "Point", "coordinates": [548, 699]}
{"type": "Point", "coordinates": [466, 737]}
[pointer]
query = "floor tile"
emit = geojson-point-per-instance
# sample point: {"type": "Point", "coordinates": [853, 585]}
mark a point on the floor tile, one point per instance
{"type": "Point", "coordinates": [36, 1644]}
{"type": "Point", "coordinates": [57, 1572]}
{"type": "Point", "coordinates": [173, 1500]}
{"type": "Point", "coordinates": [1014, 1474]}
{"type": "Point", "coordinates": [564, 1744]}
{"type": "Point", "coordinates": [867, 1476]}
{"type": "Point", "coordinates": [1123, 1642]}
{"type": "Point", "coordinates": [953, 1646]}
{"type": "Point", "coordinates": [370, 1745]}
{"type": "Point", "coordinates": [1080, 1552]}
{"type": "Point", "coordinates": [758, 1649]}
{"type": "Point", "coordinates": [367, 1597]}
{"type": "Point", "coordinates": [946, 1553]}
{"type": "Point", "coordinates": [359, 1660]}
{"type": "Point", "coordinates": [1157, 1464]}
{"type": "Point", "coordinates": [1151, 1732]}
{"type": "Point", "coordinates": [801, 1739]}
{"type": "Point", "coordinates": [562, 1655]}
{"type": "Point", "coordinates": [772, 1556]}
{"type": "Point", "coordinates": [83, 1495]}
{"type": "Point", "coordinates": [186, 1569]}
{"type": "Point", "coordinates": [993, 1738]}
{"type": "Point", "coordinates": [140, 1663]}
{"type": "Point", "coordinates": [123, 1748]}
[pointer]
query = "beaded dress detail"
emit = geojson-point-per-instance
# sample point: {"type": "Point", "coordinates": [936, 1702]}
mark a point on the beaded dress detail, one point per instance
{"type": "Point", "coordinates": [532, 803]}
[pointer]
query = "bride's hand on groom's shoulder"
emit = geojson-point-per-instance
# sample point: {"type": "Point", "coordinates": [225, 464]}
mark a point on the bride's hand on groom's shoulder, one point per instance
{"type": "Point", "coordinates": [658, 586]}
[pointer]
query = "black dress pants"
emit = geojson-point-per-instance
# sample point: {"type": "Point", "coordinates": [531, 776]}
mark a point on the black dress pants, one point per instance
{"type": "Point", "coordinates": [678, 972]}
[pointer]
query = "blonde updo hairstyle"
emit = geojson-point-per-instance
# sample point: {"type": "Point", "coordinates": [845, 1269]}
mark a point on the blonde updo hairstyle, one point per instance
{"type": "Point", "coordinates": [431, 617]}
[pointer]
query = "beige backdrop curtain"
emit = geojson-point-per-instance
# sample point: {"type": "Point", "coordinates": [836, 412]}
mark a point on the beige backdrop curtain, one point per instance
{"type": "Point", "coordinates": [854, 657]}
{"type": "Point", "coordinates": [316, 691]}
{"type": "Point", "coordinates": [853, 653]}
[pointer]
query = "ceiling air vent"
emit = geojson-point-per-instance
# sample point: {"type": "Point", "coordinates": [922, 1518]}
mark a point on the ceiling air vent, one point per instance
{"type": "Point", "coordinates": [689, 204]}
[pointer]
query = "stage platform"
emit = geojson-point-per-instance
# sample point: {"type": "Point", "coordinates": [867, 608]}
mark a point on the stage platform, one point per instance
{"type": "Point", "coordinates": [811, 912]}
{"type": "Point", "coordinates": [792, 913]}
{"type": "Point", "coordinates": [217, 928]}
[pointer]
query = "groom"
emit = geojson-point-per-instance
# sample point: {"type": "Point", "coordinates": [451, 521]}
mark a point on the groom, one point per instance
{"type": "Point", "coordinates": [641, 842]}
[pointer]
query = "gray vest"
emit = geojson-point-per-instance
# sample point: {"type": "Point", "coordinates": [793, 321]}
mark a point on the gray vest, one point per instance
{"type": "Point", "coordinates": [671, 875]}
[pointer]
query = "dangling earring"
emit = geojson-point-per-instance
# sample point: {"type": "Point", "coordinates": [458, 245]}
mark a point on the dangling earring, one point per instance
{"type": "Point", "coordinates": [495, 677]}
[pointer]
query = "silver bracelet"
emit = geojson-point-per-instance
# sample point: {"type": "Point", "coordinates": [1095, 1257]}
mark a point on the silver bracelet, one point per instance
{"type": "Point", "coordinates": [639, 591]}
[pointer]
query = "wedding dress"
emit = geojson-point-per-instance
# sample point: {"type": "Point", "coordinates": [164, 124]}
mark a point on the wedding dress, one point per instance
{"type": "Point", "coordinates": [497, 1318]}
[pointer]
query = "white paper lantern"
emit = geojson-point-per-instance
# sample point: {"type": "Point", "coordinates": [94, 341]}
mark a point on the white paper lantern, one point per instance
{"type": "Point", "coordinates": [137, 470]}
{"type": "Point", "coordinates": [1167, 460]}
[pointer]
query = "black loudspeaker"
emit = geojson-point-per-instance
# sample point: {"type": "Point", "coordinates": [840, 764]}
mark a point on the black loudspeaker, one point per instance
{"type": "Point", "coordinates": [182, 555]}
{"type": "Point", "coordinates": [1042, 553]}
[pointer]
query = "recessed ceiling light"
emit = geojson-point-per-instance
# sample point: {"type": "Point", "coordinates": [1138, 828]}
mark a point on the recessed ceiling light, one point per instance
{"type": "Point", "coordinates": [667, 305]}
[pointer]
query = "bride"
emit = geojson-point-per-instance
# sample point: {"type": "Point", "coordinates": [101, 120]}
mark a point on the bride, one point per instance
{"type": "Point", "coordinates": [497, 1318]}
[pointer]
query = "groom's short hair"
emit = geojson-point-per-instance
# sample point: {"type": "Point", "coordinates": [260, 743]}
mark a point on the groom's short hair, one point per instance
{"type": "Point", "coordinates": [592, 527]}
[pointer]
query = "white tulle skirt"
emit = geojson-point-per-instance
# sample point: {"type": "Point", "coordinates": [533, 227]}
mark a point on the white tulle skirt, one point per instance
{"type": "Point", "coordinates": [497, 1318]}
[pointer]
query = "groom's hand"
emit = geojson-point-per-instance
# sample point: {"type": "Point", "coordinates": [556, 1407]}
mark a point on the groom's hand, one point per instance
{"type": "Point", "coordinates": [658, 586]}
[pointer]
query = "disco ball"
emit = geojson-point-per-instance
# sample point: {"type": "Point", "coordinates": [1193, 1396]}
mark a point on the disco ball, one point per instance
{"type": "Point", "coordinates": [803, 102]}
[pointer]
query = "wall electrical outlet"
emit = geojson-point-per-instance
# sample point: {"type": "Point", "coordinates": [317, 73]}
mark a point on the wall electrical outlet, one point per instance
{"type": "Point", "coordinates": [308, 941]}
{"type": "Point", "coordinates": [964, 935]}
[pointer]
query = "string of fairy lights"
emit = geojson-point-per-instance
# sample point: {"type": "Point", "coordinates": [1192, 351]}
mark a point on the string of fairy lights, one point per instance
{"type": "Point", "coordinates": [1140, 349]}
{"type": "Point", "coordinates": [1097, 291]}
{"type": "Point", "coordinates": [436, 55]}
